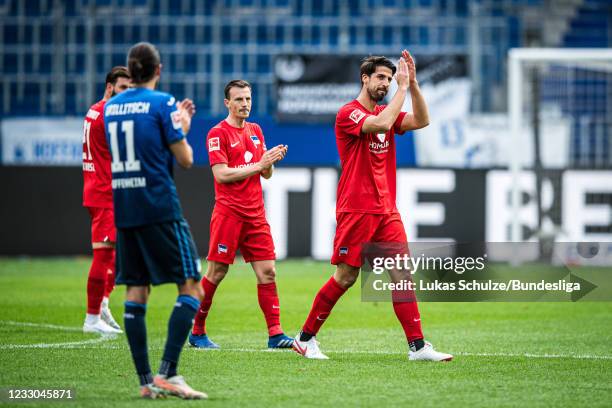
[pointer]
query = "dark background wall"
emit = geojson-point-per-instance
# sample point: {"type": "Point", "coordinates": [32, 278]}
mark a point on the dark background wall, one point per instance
{"type": "Point", "coordinates": [42, 212]}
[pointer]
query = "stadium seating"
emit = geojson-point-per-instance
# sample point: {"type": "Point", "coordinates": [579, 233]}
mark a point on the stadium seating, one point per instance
{"type": "Point", "coordinates": [52, 52]}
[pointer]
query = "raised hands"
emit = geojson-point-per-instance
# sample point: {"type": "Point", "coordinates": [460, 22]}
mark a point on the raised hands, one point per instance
{"type": "Point", "coordinates": [402, 76]}
{"type": "Point", "coordinates": [411, 66]}
{"type": "Point", "coordinates": [187, 109]}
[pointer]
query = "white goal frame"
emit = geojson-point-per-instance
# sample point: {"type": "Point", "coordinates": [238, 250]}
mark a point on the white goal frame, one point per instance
{"type": "Point", "coordinates": [517, 57]}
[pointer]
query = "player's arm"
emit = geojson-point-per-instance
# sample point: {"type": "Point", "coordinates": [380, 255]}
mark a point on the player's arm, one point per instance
{"type": "Point", "coordinates": [419, 118]}
{"type": "Point", "coordinates": [225, 174]}
{"type": "Point", "coordinates": [267, 173]}
{"type": "Point", "coordinates": [183, 153]}
{"type": "Point", "coordinates": [384, 121]}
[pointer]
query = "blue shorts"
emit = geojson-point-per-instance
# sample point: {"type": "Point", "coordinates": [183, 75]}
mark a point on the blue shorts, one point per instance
{"type": "Point", "coordinates": [156, 254]}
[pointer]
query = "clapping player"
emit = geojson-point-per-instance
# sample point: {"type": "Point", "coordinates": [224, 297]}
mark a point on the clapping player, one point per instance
{"type": "Point", "coordinates": [365, 207]}
{"type": "Point", "coordinates": [238, 157]}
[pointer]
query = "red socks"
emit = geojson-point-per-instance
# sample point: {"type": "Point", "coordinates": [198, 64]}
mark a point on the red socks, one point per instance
{"type": "Point", "coordinates": [407, 312]}
{"type": "Point", "coordinates": [322, 306]}
{"type": "Point", "coordinates": [268, 302]}
{"type": "Point", "coordinates": [199, 323]}
{"type": "Point", "coordinates": [103, 260]}
{"type": "Point", "coordinates": [110, 277]}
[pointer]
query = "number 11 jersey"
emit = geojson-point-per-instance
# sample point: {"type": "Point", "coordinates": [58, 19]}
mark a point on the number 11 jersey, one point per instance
{"type": "Point", "coordinates": [141, 124]}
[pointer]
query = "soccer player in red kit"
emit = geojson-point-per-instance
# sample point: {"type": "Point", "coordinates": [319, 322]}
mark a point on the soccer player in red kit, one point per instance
{"type": "Point", "coordinates": [365, 207]}
{"type": "Point", "coordinates": [98, 199]}
{"type": "Point", "coordinates": [238, 157]}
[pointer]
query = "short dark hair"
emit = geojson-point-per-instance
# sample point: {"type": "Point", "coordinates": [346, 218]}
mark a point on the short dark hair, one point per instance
{"type": "Point", "coordinates": [115, 73]}
{"type": "Point", "coordinates": [143, 59]}
{"type": "Point", "coordinates": [369, 65]}
{"type": "Point", "coordinates": [235, 83]}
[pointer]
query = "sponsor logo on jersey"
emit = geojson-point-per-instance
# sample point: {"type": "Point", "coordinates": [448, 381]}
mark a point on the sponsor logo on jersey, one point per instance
{"type": "Point", "coordinates": [221, 248]}
{"type": "Point", "coordinates": [248, 156]}
{"type": "Point", "coordinates": [343, 250]}
{"type": "Point", "coordinates": [255, 140]}
{"type": "Point", "coordinates": [171, 101]}
{"type": "Point", "coordinates": [378, 148]}
{"type": "Point", "coordinates": [235, 144]}
{"type": "Point", "coordinates": [356, 115]}
{"type": "Point", "coordinates": [176, 119]}
{"type": "Point", "coordinates": [213, 144]}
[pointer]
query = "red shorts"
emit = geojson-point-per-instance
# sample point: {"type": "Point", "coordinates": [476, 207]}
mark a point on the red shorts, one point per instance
{"type": "Point", "coordinates": [102, 224]}
{"type": "Point", "coordinates": [228, 234]}
{"type": "Point", "coordinates": [355, 229]}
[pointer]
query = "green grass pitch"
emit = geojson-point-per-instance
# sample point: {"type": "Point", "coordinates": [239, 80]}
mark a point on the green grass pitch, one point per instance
{"type": "Point", "coordinates": [506, 354]}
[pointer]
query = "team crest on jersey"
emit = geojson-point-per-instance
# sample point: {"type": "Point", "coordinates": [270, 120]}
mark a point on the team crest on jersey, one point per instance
{"type": "Point", "coordinates": [176, 119]}
{"type": "Point", "coordinates": [356, 115]}
{"type": "Point", "coordinates": [255, 140]}
{"type": "Point", "coordinates": [248, 156]}
{"type": "Point", "coordinates": [343, 250]}
{"type": "Point", "coordinates": [221, 248]}
{"type": "Point", "coordinates": [213, 144]}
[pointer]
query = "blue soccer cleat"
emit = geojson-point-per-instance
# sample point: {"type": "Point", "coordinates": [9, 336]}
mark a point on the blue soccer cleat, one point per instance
{"type": "Point", "coordinates": [202, 341]}
{"type": "Point", "coordinates": [280, 341]}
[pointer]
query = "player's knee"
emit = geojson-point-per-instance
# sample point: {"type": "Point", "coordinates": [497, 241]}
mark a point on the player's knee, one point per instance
{"type": "Point", "coordinates": [346, 276]}
{"type": "Point", "coordinates": [216, 272]}
{"type": "Point", "coordinates": [269, 274]}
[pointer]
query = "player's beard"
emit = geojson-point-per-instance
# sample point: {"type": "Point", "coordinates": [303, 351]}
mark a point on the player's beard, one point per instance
{"type": "Point", "coordinates": [376, 94]}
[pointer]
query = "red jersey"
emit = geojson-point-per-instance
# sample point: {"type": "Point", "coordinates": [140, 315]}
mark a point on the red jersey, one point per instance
{"type": "Point", "coordinates": [97, 191]}
{"type": "Point", "coordinates": [237, 147]}
{"type": "Point", "coordinates": [367, 183]}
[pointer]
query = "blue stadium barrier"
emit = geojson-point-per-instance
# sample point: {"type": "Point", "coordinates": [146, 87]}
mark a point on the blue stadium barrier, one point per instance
{"type": "Point", "coordinates": [309, 145]}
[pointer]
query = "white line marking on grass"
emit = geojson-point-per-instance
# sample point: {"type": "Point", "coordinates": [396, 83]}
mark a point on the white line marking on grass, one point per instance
{"type": "Point", "coordinates": [41, 325]}
{"type": "Point", "coordinates": [100, 342]}
{"type": "Point", "coordinates": [70, 344]}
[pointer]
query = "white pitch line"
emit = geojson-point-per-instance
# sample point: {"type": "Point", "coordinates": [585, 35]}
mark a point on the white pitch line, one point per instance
{"type": "Point", "coordinates": [70, 344]}
{"type": "Point", "coordinates": [102, 339]}
{"type": "Point", "coordinates": [41, 325]}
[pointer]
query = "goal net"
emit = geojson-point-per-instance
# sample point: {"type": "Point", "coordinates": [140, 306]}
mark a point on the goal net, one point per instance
{"type": "Point", "coordinates": [560, 111]}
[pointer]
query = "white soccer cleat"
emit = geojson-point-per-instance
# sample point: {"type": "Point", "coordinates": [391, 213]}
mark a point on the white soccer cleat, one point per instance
{"type": "Point", "coordinates": [427, 353]}
{"type": "Point", "coordinates": [308, 349]}
{"type": "Point", "coordinates": [178, 387]}
{"type": "Point", "coordinates": [107, 317]}
{"type": "Point", "coordinates": [100, 327]}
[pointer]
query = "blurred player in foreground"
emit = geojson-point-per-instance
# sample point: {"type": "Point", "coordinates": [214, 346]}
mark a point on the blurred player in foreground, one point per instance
{"type": "Point", "coordinates": [365, 207]}
{"type": "Point", "coordinates": [98, 199]}
{"type": "Point", "coordinates": [238, 156]}
{"type": "Point", "coordinates": [145, 131]}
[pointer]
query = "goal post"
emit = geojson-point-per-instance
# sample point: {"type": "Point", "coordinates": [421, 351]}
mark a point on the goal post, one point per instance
{"type": "Point", "coordinates": [572, 89]}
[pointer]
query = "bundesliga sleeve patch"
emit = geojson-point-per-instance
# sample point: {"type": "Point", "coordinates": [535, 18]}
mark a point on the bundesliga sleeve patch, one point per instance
{"type": "Point", "coordinates": [176, 119]}
{"type": "Point", "coordinates": [213, 144]}
{"type": "Point", "coordinates": [356, 115]}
